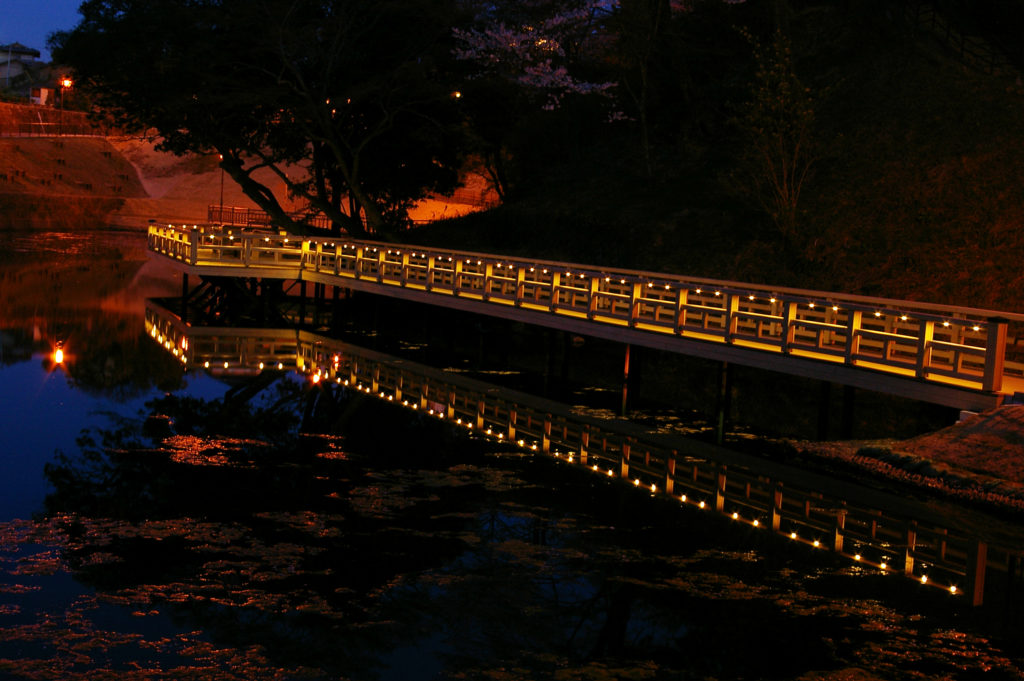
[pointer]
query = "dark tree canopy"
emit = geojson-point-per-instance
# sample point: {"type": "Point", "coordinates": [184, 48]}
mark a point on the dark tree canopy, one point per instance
{"type": "Point", "coordinates": [354, 91]}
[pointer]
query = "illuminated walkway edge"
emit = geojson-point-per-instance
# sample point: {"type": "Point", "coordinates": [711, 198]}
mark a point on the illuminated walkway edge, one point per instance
{"type": "Point", "coordinates": [954, 356]}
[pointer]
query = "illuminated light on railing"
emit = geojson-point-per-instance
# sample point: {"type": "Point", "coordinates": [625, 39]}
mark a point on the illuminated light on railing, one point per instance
{"type": "Point", "coordinates": [544, 271]}
{"type": "Point", "coordinates": [755, 523]}
{"type": "Point", "coordinates": [772, 299]}
{"type": "Point", "coordinates": [882, 565]}
{"type": "Point", "coordinates": [856, 556]}
{"type": "Point", "coordinates": [338, 380]}
{"type": "Point", "coordinates": [924, 579]}
{"type": "Point", "coordinates": [810, 305]}
{"type": "Point", "coordinates": [667, 287]}
{"type": "Point", "coordinates": [682, 497]}
{"type": "Point", "coordinates": [792, 535]}
{"type": "Point", "coordinates": [225, 365]}
{"type": "Point", "coordinates": [280, 365]}
{"type": "Point", "coordinates": [976, 327]}
{"type": "Point", "coordinates": [718, 293]}
{"type": "Point", "coordinates": [816, 543]}
{"type": "Point", "coordinates": [315, 378]}
{"type": "Point", "coordinates": [698, 291]}
{"type": "Point", "coordinates": [750, 297]}
{"type": "Point", "coordinates": [903, 318]}
{"type": "Point", "coordinates": [701, 504]}
{"type": "Point", "coordinates": [636, 483]}
{"type": "Point", "coordinates": [735, 516]}
{"type": "Point", "coordinates": [211, 237]}
{"type": "Point", "coordinates": [607, 279]}
{"type": "Point", "coordinates": [650, 284]}
{"type": "Point", "coordinates": [835, 308]}
{"type": "Point", "coordinates": [878, 314]}
{"type": "Point", "coordinates": [266, 238]}
{"type": "Point", "coordinates": [952, 588]}
{"type": "Point", "coordinates": [206, 365]}
{"type": "Point", "coordinates": [946, 324]}
{"type": "Point", "coordinates": [654, 487]}
{"type": "Point", "coordinates": [610, 474]}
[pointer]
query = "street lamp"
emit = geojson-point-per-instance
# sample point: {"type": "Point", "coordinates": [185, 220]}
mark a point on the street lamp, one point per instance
{"type": "Point", "coordinates": [221, 204]}
{"type": "Point", "coordinates": [65, 84]}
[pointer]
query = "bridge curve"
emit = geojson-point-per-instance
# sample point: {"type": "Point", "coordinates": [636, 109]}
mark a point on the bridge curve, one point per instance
{"type": "Point", "coordinates": [955, 356]}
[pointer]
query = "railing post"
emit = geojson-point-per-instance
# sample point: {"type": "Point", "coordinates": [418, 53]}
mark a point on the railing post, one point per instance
{"type": "Point", "coordinates": [624, 460]}
{"type": "Point", "coordinates": [457, 277]}
{"type": "Point", "coordinates": [556, 280]}
{"type": "Point", "coordinates": [520, 284]}
{"type": "Point", "coordinates": [681, 296]}
{"type": "Point", "coordinates": [635, 296]}
{"type": "Point", "coordinates": [429, 284]}
{"type": "Point", "coordinates": [925, 335]}
{"type": "Point", "coordinates": [908, 555]}
{"type": "Point", "coordinates": [995, 354]}
{"type": "Point", "coordinates": [775, 512]}
{"type": "Point", "coordinates": [595, 289]}
{"type": "Point", "coordinates": [670, 472]}
{"type": "Point", "coordinates": [194, 246]}
{"type": "Point", "coordinates": [853, 323]}
{"type": "Point", "coordinates": [513, 416]}
{"type": "Point", "coordinates": [584, 444]}
{"type": "Point", "coordinates": [488, 274]}
{"type": "Point", "coordinates": [789, 309]}
{"type": "Point", "coordinates": [837, 531]}
{"type": "Point", "coordinates": [545, 441]}
{"type": "Point", "coordinates": [720, 489]}
{"type": "Point", "coordinates": [405, 268]}
{"type": "Point", "coordinates": [732, 307]}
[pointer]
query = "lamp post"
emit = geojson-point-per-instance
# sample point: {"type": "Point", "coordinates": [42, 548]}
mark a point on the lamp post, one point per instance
{"type": "Point", "coordinates": [65, 84]}
{"type": "Point", "coordinates": [220, 208]}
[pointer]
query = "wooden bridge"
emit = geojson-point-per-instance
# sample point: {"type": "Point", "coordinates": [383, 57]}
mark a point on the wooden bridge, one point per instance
{"type": "Point", "coordinates": [873, 530]}
{"type": "Point", "coordinates": [955, 356]}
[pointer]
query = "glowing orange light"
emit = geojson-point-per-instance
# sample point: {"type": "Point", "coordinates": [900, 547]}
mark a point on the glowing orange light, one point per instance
{"type": "Point", "coordinates": [58, 355]}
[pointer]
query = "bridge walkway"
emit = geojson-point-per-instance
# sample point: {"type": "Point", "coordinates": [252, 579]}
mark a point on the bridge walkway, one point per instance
{"type": "Point", "coordinates": [955, 356]}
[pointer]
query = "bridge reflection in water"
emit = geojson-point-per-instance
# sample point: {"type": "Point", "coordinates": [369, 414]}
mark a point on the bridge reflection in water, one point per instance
{"type": "Point", "coordinates": [872, 529]}
{"type": "Point", "coordinates": [954, 356]}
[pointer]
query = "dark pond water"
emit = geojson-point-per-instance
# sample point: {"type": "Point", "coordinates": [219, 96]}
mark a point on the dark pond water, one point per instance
{"type": "Point", "coordinates": [372, 544]}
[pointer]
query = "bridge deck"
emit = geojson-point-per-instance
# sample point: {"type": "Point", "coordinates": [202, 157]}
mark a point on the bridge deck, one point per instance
{"type": "Point", "coordinates": [959, 357]}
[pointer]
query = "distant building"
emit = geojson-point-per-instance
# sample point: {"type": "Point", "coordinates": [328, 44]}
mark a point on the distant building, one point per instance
{"type": "Point", "coordinates": [16, 60]}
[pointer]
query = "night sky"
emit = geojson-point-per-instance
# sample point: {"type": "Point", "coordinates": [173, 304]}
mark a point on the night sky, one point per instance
{"type": "Point", "coordinates": [29, 22]}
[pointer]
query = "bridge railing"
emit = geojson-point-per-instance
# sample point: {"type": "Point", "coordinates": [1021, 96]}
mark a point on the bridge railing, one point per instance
{"type": "Point", "coordinates": [964, 347]}
{"type": "Point", "coordinates": [872, 530]}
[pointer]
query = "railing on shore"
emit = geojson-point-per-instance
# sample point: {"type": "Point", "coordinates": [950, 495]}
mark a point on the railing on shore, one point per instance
{"type": "Point", "coordinates": [962, 348]}
{"type": "Point", "coordinates": [873, 530]}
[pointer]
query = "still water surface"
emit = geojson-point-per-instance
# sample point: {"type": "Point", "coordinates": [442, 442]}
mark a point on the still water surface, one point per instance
{"type": "Point", "coordinates": [371, 544]}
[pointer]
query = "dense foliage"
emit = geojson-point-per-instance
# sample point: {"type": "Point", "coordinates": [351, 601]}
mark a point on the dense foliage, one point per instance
{"type": "Point", "coordinates": [819, 143]}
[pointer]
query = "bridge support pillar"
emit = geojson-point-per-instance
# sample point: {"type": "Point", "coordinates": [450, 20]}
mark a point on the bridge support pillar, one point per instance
{"type": "Point", "coordinates": [625, 381]}
{"type": "Point", "coordinates": [977, 563]}
{"type": "Point", "coordinates": [184, 297]}
{"type": "Point", "coordinates": [723, 405]}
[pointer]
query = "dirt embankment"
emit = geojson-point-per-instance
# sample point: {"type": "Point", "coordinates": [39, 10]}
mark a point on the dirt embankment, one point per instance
{"type": "Point", "coordinates": [979, 460]}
